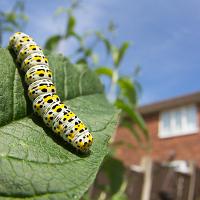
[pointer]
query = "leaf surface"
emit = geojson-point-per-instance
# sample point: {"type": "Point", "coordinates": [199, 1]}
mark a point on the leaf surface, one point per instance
{"type": "Point", "coordinates": [34, 162]}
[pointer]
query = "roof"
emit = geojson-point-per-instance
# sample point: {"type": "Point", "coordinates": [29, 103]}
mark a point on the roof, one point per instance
{"type": "Point", "coordinates": [170, 103]}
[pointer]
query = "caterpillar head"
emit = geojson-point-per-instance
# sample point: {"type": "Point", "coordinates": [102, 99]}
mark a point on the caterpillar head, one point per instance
{"type": "Point", "coordinates": [83, 142]}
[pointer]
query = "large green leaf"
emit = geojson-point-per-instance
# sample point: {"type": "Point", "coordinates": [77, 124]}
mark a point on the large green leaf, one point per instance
{"type": "Point", "coordinates": [34, 162]}
{"type": "Point", "coordinates": [114, 170]}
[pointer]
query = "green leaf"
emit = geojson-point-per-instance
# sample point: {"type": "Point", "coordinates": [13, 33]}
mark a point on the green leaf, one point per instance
{"type": "Point", "coordinates": [121, 195]}
{"type": "Point", "coordinates": [34, 162]}
{"type": "Point", "coordinates": [77, 37]}
{"type": "Point", "coordinates": [128, 90]}
{"type": "Point", "coordinates": [138, 87]}
{"type": "Point", "coordinates": [22, 16]}
{"type": "Point", "coordinates": [70, 26]}
{"type": "Point", "coordinates": [52, 42]}
{"type": "Point", "coordinates": [104, 71]}
{"type": "Point", "coordinates": [112, 27]}
{"type": "Point", "coordinates": [87, 52]}
{"type": "Point", "coordinates": [122, 51]}
{"type": "Point", "coordinates": [106, 42]}
{"type": "Point", "coordinates": [137, 71]}
{"type": "Point", "coordinates": [118, 54]}
{"type": "Point", "coordinates": [114, 170]}
{"type": "Point", "coordinates": [134, 116]}
{"type": "Point", "coordinates": [11, 18]}
{"type": "Point", "coordinates": [82, 61]}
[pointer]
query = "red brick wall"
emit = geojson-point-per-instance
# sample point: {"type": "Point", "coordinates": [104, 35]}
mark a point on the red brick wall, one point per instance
{"type": "Point", "coordinates": [185, 147]}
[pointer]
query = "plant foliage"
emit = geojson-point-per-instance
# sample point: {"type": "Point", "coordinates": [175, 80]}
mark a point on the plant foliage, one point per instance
{"type": "Point", "coordinates": [34, 162]}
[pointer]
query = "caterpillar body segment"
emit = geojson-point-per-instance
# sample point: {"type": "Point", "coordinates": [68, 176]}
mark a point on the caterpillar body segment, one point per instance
{"type": "Point", "coordinates": [33, 60]}
{"type": "Point", "coordinates": [38, 72]}
{"type": "Point", "coordinates": [27, 50]}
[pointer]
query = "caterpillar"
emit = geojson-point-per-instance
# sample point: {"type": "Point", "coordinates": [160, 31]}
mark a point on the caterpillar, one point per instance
{"type": "Point", "coordinates": [42, 93]}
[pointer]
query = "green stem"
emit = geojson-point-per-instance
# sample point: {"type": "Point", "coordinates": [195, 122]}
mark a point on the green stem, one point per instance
{"type": "Point", "coordinates": [113, 88]}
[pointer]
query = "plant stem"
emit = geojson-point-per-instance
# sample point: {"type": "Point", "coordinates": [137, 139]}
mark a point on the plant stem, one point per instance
{"type": "Point", "coordinates": [113, 87]}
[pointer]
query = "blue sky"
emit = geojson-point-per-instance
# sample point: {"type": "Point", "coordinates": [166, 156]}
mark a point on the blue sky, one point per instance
{"type": "Point", "coordinates": [165, 36]}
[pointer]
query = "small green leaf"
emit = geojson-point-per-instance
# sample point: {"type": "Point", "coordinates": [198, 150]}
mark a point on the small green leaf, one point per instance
{"type": "Point", "coordinates": [134, 116]}
{"type": "Point", "coordinates": [87, 52]}
{"type": "Point", "coordinates": [127, 89]}
{"type": "Point", "coordinates": [70, 26]}
{"type": "Point", "coordinates": [82, 61]}
{"type": "Point", "coordinates": [138, 87]}
{"type": "Point", "coordinates": [106, 42]}
{"type": "Point", "coordinates": [104, 71]}
{"type": "Point", "coordinates": [52, 42]}
{"type": "Point", "coordinates": [34, 162]}
{"type": "Point", "coordinates": [121, 194]}
{"type": "Point", "coordinates": [25, 18]}
{"type": "Point", "coordinates": [77, 36]}
{"type": "Point", "coordinates": [136, 71]}
{"type": "Point", "coordinates": [119, 53]}
{"type": "Point", "coordinates": [112, 27]}
{"type": "Point", "coordinates": [11, 18]}
{"type": "Point", "coordinates": [122, 51]}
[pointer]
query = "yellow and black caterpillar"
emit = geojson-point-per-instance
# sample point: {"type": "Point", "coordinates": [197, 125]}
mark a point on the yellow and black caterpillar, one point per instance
{"type": "Point", "coordinates": [42, 93]}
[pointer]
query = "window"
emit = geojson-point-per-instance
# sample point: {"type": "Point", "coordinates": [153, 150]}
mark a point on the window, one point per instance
{"type": "Point", "coordinates": [179, 121]}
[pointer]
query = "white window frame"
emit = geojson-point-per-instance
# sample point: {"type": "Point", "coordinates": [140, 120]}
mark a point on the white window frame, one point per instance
{"type": "Point", "coordinates": [185, 130]}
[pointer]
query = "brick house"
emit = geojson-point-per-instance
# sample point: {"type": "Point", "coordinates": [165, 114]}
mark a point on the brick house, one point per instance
{"type": "Point", "coordinates": [174, 130]}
